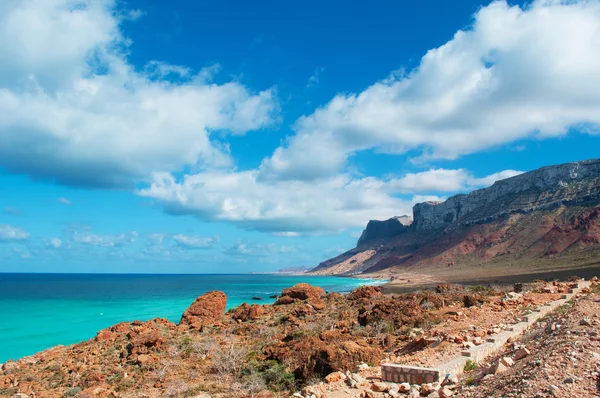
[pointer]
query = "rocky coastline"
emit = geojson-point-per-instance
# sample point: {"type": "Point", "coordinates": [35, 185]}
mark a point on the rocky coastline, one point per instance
{"type": "Point", "coordinates": [307, 344]}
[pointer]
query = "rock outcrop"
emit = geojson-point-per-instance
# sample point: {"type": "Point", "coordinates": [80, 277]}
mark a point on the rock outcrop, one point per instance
{"type": "Point", "coordinates": [205, 310]}
{"type": "Point", "coordinates": [536, 215]}
{"type": "Point", "coordinates": [384, 229]}
{"type": "Point", "coordinates": [246, 312]}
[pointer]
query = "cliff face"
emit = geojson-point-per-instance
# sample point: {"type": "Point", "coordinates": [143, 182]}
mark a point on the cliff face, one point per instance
{"type": "Point", "coordinates": [384, 229]}
{"type": "Point", "coordinates": [543, 188]}
{"type": "Point", "coordinates": [546, 212]}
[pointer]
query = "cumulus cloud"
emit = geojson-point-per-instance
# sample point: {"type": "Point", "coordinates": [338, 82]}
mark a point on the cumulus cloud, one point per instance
{"type": "Point", "coordinates": [515, 73]}
{"type": "Point", "coordinates": [444, 180]}
{"type": "Point", "coordinates": [194, 242]}
{"type": "Point", "coordinates": [9, 233]}
{"type": "Point", "coordinates": [91, 239]}
{"type": "Point", "coordinates": [293, 207]}
{"type": "Point", "coordinates": [79, 113]}
{"type": "Point", "coordinates": [282, 207]}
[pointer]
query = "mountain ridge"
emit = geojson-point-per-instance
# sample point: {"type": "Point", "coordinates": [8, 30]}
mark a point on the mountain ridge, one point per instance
{"type": "Point", "coordinates": [535, 215]}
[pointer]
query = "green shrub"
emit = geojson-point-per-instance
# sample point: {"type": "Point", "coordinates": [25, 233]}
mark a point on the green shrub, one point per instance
{"type": "Point", "coordinates": [71, 392]}
{"type": "Point", "coordinates": [470, 365]}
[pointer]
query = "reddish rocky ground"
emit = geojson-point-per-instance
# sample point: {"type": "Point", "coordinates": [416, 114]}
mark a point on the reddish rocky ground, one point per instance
{"type": "Point", "coordinates": [306, 337]}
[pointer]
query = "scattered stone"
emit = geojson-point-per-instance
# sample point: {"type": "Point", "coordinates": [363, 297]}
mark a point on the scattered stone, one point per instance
{"type": "Point", "coordinates": [404, 387]}
{"type": "Point", "coordinates": [507, 361]}
{"type": "Point", "coordinates": [361, 367]}
{"type": "Point", "coordinates": [413, 393]}
{"type": "Point", "coordinates": [521, 353]}
{"type": "Point", "coordinates": [334, 377]}
{"type": "Point", "coordinates": [445, 392]}
{"type": "Point", "coordinates": [499, 368]}
{"type": "Point", "coordinates": [368, 394]}
{"type": "Point", "coordinates": [450, 379]}
{"type": "Point", "coordinates": [379, 386]}
{"type": "Point", "coordinates": [585, 322]}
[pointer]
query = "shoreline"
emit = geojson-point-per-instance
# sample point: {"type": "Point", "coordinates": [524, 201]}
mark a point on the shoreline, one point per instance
{"type": "Point", "coordinates": [88, 321]}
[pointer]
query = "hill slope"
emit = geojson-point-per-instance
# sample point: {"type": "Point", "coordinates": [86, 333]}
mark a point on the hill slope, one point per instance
{"type": "Point", "coordinates": [547, 217]}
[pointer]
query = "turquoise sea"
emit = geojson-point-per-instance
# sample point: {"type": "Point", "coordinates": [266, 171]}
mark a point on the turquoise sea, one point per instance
{"type": "Point", "coordinates": [38, 311]}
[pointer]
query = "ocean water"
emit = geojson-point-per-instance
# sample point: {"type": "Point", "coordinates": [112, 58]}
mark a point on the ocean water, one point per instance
{"type": "Point", "coordinates": [38, 311]}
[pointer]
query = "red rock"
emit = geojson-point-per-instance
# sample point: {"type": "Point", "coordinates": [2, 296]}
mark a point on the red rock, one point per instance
{"type": "Point", "coordinates": [335, 376]}
{"type": "Point", "coordinates": [364, 292]}
{"type": "Point", "coordinates": [285, 300]}
{"type": "Point", "coordinates": [317, 304]}
{"type": "Point", "coordinates": [303, 291]}
{"type": "Point", "coordinates": [144, 339]}
{"type": "Point", "coordinates": [247, 312]}
{"type": "Point", "coordinates": [304, 310]}
{"type": "Point", "coordinates": [521, 353]}
{"type": "Point", "coordinates": [105, 335]}
{"type": "Point", "coordinates": [205, 310]}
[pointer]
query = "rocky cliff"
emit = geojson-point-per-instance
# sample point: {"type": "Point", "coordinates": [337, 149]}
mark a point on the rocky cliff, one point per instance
{"type": "Point", "coordinates": [542, 213]}
{"type": "Point", "coordinates": [384, 229]}
{"type": "Point", "coordinates": [540, 189]}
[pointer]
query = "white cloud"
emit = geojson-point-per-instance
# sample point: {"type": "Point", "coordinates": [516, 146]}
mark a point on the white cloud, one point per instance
{"type": "Point", "coordinates": [315, 78]}
{"type": "Point", "coordinates": [54, 243]}
{"type": "Point", "coordinates": [515, 73]}
{"type": "Point", "coordinates": [8, 233]}
{"type": "Point", "coordinates": [78, 113]}
{"type": "Point", "coordinates": [427, 198]}
{"type": "Point", "coordinates": [64, 201]}
{"type": "Point", "coordinates": [21, 252]}
{"type": "Point", "coordinates": [118, 240]}
{"type": "Point", "coordinates": [259, 250]}
{"type": "Point", "coordinates": [436, 180]}
{"type": "Point", "coordinates": [444, 180]}
{"type": "Point", "coordinates": [492, 178]}
{"type": "Point", "coordinates": [293, 207]}
{"type": "Point", "coordinates": [194, 242]}
{"type": "Point", "coordinates": [282, 207]}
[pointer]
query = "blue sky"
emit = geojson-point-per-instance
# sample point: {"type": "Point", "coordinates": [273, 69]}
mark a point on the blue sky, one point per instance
{"type": "Point", "coordinates": [151, 136]}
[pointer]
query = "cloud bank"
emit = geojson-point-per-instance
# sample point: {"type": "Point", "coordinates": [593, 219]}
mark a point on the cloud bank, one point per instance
{"type": "Point", "coordinates": [90, 118]}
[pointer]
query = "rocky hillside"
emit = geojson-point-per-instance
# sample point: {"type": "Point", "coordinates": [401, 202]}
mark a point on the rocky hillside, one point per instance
{"type": "Point", "coordinates": [536, 216]}
{"type": "Point", "coordinates": [305, 338]}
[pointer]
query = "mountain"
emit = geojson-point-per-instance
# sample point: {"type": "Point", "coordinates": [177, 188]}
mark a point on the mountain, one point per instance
{"type": "Point", "coordinates": [546, 217]}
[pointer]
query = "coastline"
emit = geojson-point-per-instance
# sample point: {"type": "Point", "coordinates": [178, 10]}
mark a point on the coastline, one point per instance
{"type": "Point", "coordinates": [64, 316]}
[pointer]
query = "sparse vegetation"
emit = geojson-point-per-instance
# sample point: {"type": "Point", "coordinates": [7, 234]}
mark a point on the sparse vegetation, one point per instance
{"type": "Point", "coordinates": [470, 366]}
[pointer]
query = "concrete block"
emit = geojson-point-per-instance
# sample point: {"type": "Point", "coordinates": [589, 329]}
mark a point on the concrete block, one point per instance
{"type": "Point", "coordinates": [408, 374]}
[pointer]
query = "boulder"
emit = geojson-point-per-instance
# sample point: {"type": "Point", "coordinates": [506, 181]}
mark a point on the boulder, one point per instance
{"type": "Point", "coordinates": [302, 291]}
{"type": "Point", "coordinates": [205, 310]}
{"type": "Point", "coordinates": [379, 386]}
{"type": "Point", "coordinates": [521, 353]}
{"type": "Point", "coordinates": [364, 292]}
{"type": "Point", "coordinates": [404, 387]}
{"type": "Point", "coordinates": [334, 377]}
{"type": "Point", "coordinates": [246, 312]}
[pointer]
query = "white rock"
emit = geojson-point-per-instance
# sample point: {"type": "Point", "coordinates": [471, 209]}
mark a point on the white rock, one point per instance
{"type": "Point", "coordinates": [404, 387]}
